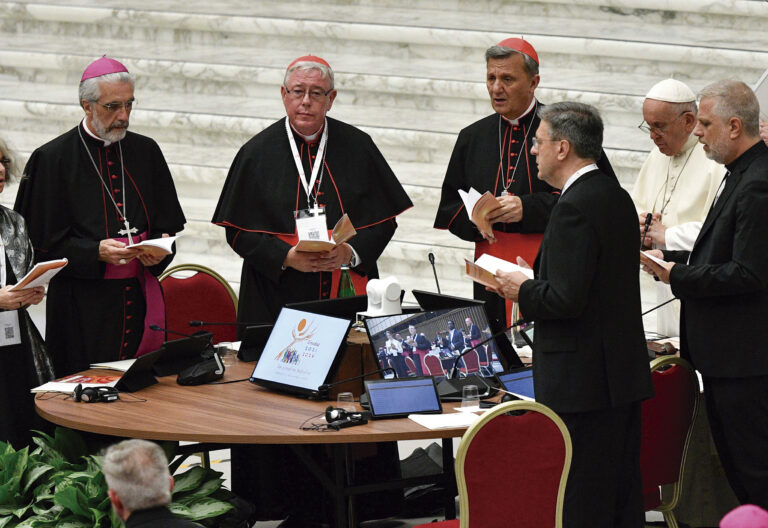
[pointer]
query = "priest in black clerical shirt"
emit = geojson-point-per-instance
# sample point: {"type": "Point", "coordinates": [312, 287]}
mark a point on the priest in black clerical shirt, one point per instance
{"type": "Point", "coordinates": [309, 165]}
{"type": "Point", "coordinates": [86, 195]}
{"type": "Point", "coordinates": [493, 154]}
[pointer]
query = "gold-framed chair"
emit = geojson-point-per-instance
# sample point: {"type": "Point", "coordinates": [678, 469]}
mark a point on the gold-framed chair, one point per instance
{"type": "Point", "coordinates": [533, 474]}
{"type": "Point", "coordinates": [196, 292]}
{"type": "Point", "coordinates": [667, 425]}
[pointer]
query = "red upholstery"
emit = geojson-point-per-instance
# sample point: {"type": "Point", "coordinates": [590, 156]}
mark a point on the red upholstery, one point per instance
{"type": "Point", "coordinates": [199, 297]}
{"type": "Point", "coordinates": [411, 366]}
{"type": "Point", "coordinates": [518, 484]}
{"type": "Point", "coordinates": [472, 362]}
{"type": "Point", "coordinates": [667, 418]}
{"type": "Point", "coordinates": [434, 366]}
{"type": "Point", "coordinates": [442, 524]}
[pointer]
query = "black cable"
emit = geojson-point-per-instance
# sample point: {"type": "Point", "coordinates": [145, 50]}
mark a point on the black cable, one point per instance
{"type": "Point", "coordinates": [230, 381]}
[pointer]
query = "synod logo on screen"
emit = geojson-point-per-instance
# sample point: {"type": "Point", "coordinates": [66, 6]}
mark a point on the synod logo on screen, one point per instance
{"type": "Point", "coordinates": [301, 346]}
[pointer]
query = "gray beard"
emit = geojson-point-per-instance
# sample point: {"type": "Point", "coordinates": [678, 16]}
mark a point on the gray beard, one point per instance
{"type": "Point", "coordinates": [110, 136]}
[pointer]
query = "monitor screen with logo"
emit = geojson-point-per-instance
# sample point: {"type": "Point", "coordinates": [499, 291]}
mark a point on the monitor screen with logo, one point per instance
{"type": "Point", "coordinates": [302, 352]}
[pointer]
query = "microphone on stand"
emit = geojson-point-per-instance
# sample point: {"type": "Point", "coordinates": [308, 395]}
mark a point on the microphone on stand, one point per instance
{"type": "Point", "coordinates": [221, 323]}
{"type": "Point", "coordinates": [434, 270]}
{"type": "Point", "coordinates": [322, 390]}
{"type": "Point", "coordinates": [202, 334]}
{"type": "Point", "coordinates": [657, 306]}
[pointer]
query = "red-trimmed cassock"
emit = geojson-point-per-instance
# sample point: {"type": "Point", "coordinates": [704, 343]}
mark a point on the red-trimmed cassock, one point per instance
{"type": "Point", "coordinates": [484, 157]}
{"type": "Point", "coordinates": [262, 191]}
{"type": "Point", "coordinates": [257, 204]}
{"type": "Point", "coordinates": [96, 312]}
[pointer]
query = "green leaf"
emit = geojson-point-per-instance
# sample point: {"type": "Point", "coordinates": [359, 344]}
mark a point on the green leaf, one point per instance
{"type": "Point", "coordinates": [180, 510]}
{"type": "Point", "coordinates": [74, 500]}
{"type": "Point", "coordinates": [33, 475]}
{"type": "Point", "coordinates": [206, 508]}
{"type": "Point", "coordinates": [188, 480]}
{"type": "Point", "coordinates": [9, 493]}
{"type": "Point", "coordinates": [206, 488]}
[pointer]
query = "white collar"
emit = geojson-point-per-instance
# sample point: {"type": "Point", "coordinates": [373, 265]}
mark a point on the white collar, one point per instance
{"type": "Point", "coordinates": [93, 134]}
{"type": "Point", "coordinates": [527, 111]}
{"type": "Point", "coordinates": [310, 138]}
{"type": "Point", "coordinates": [578, 174]}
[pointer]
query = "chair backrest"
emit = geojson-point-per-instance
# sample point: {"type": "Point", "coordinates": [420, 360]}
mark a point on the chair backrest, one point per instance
{"type": "Point", "coordinates": [411, 366]}
{"type": "Point", "coordinates": [482, 353]}
{"type": "Point", "coordinates": [513, 464]}
{"type": "Point", "coordinates": [434, 366]}
{"type": "Point", "coordinates": [667, 422]}
{"type": "Point", "coordinates": [472, 361]}
{"type": "Point", "coordinates": [204, 296]}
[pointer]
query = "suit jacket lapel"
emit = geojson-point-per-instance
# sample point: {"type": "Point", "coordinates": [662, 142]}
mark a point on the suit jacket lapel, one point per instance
{"type": "Point", "coordinates": [730, 184]}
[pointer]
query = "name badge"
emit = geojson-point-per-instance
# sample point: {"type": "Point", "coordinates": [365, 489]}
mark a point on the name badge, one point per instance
{"type": "Point", "coordinates": [10, 332]}
{"type": "Point", "coordinates": [311, 224]}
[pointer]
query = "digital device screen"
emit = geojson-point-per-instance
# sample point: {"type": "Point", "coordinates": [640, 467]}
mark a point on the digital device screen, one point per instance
{"type": "Point", "coordinates": [519, 382]}
{"type": "Point", "coordinates": [301, 352]}
{"type": "Point", "coordinates": [428, 343]}
{"type": "Point", "coordinates": [402, 397]}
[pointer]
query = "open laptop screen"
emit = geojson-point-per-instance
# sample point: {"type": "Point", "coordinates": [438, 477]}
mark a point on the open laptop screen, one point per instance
{"type": "Point", "coordinates": [428, 343]}
{"type": "Point", "coordinates": [302, 352]}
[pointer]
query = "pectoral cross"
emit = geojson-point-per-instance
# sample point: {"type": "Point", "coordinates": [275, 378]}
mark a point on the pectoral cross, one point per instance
{"type": "Point", "coordinates": [127, 231]}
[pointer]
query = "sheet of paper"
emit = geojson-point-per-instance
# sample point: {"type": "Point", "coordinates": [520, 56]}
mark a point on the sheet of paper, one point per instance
{"type": "Point", "coordinates": [122, 365]}
{"type": "Point", "coordinates": [470, 199]}
{"type": "Point", "coordinates": [651, 257]}
{"type": "Point", "coordinates": [492, 264]}
{"type": "Point", "coordinates": [67, 385]}
{"type": "Point", "coordinates": [445, 420]}
{"type": "Point", "coordinates": [40, 275]}
{"type": "Point", "coordinates": [161, 245]}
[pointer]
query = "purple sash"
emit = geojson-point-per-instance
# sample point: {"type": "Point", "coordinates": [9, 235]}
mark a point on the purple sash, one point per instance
{"type": "Point", "coordinates": [153, 297]}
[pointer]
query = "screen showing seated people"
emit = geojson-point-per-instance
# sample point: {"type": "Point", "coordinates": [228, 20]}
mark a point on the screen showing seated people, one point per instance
{"type": "Point", "coordinates": [519, 383]}
{"type": "Point", "coordinates": [301, 349]}
{"type": "Point", "coordinates": [429, 343]}
{"type": "Point", "coordinates": [401, 397]}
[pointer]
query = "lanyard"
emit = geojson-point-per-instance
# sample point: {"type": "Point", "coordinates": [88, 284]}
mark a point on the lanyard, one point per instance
{"type": "Point", "coordinates": [308, 186]}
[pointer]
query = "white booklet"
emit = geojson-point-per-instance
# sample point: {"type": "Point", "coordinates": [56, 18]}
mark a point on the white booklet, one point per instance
{"type": "Point", "coordinates": [121, 365]}
{"type": "Point", "coordinates": [40, 275]}
{"type": "Point", "coordinates": [68, 384]}
{"type": "Point", "coordinates": [156, 246]}
{"type": "Point", "coordinates": [445, 420]}
{"type": "Point", "coordinates": [483, 270]}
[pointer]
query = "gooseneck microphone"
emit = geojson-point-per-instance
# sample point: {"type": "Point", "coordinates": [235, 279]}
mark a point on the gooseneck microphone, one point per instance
{"type": "Point", "coordinates": [221, 323]}
{"type": "Point", "coordinates": [323, 389]}
{"type": "Point", "coordinates": [648, 221]}
{"type": "Point", "coordinates": [201, 334]}
{"type": "Point", "coordinates": [657, 306]}
{"type": "Point", "coordinates": [434, 270]}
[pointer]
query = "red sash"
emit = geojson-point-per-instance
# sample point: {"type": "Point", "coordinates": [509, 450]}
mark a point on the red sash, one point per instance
{"type": "Point", "coordinates": [153, 297]}
{"type": "Point", "coordinates": [509, 246]}
{"type": "Point", "coordinates": [358, 281]}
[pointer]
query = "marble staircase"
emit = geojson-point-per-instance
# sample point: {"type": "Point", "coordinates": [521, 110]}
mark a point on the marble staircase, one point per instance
{"type": "Point", "coordinates": [408, 73]}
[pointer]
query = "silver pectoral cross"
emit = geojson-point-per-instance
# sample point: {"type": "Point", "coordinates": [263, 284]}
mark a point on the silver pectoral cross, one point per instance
{"type": "Point", "coordinates": [127, 231]}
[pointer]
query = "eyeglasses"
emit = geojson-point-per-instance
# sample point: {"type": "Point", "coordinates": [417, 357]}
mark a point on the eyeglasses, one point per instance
{"type": "Point", "coordinates": [314, 95]}
{"type": "Point", "coordinates": [114, 107]}
{"type": "Point", "coordinates": [659, 131]}
{"type": "Point", "coordinates": [535, 142]}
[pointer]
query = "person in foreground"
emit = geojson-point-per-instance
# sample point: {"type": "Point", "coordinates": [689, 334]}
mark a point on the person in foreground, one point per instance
{"type": "Point", "coordinates": [723, 284]}
{"type": "Point", "coordinates": [590, 363]}
{"type": "Point", "coordinates": [24, 360]}
{"type": "Point", "coordinates": [140, 485]}
{"type": "Point", "coordinates": [86, 195]}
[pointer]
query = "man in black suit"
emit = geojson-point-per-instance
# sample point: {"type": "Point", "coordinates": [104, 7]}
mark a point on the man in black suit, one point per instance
{"type": "Point", "coordinates": [455, 337]}
{"type": "Point", "coordinates": [140, 485]}
{"type": "Point", "coordinates": [590, 362]}
{"type": "Point", "coordinates": [723, 285]}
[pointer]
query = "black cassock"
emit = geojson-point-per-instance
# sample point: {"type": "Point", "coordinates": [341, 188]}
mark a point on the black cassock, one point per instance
{"type": "Point", "coordinates": [490, 154]}
{"type": "Point", "coordinates": [256, 207]}
{"type": "Point", "coordinates": [68, 212]}
{"type": "Point", "coordinates": [262, 191]}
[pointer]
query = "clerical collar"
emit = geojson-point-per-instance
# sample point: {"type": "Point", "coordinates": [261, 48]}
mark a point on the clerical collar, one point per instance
{"type": "Point", "coordinates": [578, 174]}
{"type": "Point", "coordinates": [312, 137]}
{"type": "Point", "coordinates": [527, 111]}
{"type": "Point", "coordinates": [93, 134]}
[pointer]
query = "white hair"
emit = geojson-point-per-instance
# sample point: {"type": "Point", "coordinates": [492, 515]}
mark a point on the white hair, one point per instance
{"type": "Point", "coordinates": [90, 89]}
{"type": "Point", "coordinates": [137, 470]}
{"type": "Point", "coordinates": [324, 70]}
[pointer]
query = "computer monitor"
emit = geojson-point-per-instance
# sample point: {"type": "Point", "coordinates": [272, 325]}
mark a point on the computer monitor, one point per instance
{"type": "Point", "coordinates": [302, 352]}
{"type": "Point", "coordinates": [343, 307]}
{"type": "Point", "coordinates": [398, 398]}
{"type": "Point", "coordinates": [434, 349]}
{"type": "Point", "coordinates": [518, 382]}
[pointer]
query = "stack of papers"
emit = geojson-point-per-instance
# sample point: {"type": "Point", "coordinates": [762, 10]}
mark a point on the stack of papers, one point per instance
{"type": "Point", "coordinates": [484, 269]}
{"type": "Point", "coordinates": [68, 384]}
{"type": "Point", "coordinates": [445, 421]}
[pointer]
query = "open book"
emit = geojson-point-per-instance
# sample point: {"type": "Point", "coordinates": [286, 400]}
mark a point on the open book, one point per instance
{"type": "Point", "coordinates": [156, 246]}
{"type": "Point", "coordinates": [479, 206]}
{"type": "Point", "coordinates": [40, 275]}
{"type": "Point", "coordinates": [342, 231]}
{"type": "Point", "coordinates": [483, 270]}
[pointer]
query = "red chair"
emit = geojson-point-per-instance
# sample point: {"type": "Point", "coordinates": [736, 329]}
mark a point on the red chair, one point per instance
{"type": "Point", "coordinates": [525, 488]}
{"type": "Point", "coordinates": [471, 362]}
{"type": "Point", "coordinates": [666, 431]}
{"type": "Point", "coordinates": [411, 366]}
{"type": "Point", "coordinates": [485, 361]}
{"type": "Point", "coordinates": [434, 365]}
{"type": "Point", "coordinates": [196, 293]}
